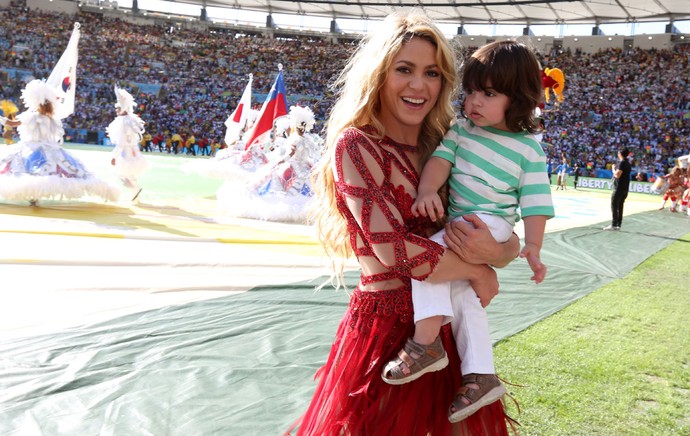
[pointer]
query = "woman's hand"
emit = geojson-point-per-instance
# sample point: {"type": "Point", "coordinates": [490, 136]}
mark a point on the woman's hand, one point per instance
{"type": "Point", "coordinates": [481, 276]}
{"type": "Point", "coordinates": [472, 241]}
{"type": "Point", "coordinates": [485, 285]}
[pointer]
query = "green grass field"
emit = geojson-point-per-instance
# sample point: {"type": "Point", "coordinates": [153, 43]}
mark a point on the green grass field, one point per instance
{"type": "Point", "coordinates": [616, 362]}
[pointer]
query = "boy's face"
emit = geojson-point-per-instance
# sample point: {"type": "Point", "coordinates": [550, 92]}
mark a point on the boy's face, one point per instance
{"type": "Point", "coordinates": [487, 108]}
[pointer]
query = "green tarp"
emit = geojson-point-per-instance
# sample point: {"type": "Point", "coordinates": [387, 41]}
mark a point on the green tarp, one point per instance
{"type": "Point", "coordinates": [244, 364]}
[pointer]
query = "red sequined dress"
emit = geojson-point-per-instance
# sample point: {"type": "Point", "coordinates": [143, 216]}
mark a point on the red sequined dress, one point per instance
{"type": "Point", "coordinates": [376, 182]}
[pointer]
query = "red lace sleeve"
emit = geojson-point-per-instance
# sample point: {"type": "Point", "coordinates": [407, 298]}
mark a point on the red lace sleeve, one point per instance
{"type": "Point", "coordinates": [376, 183]}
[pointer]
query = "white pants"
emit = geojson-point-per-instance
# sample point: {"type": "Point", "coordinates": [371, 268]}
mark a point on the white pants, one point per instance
{"type": "Point", "coordinates": [458, 302]}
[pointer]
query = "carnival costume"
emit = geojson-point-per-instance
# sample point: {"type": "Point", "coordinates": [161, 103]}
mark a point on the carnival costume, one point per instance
{"type": "Point", "coordinates": [375, 187]}
{"type": "Point", "coordinates": [673, 189]}
{"type": "Point", "coordinates": [233, 162]}
{"type": "Point", "coordinates": [39, 167]}
{"type": "Point", "coordinates": [125, 131]}
{"type": "Point", "coordinates": [280, 189]}
{"type": "Point", "coordinates": [9, 110]}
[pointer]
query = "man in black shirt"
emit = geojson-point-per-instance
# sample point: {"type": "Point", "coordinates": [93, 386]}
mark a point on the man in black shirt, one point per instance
{"type": "Point", "coordinates": [621, 184]}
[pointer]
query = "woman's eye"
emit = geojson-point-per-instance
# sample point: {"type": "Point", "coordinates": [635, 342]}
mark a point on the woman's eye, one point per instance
{"type": "Point", "coordinates": [433, 73]}
{"type": "Point", "coordinates": [403, 69]}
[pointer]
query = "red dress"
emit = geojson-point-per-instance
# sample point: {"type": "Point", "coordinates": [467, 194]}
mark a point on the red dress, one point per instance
{"type": "Point", "coordinates": [376, 183]}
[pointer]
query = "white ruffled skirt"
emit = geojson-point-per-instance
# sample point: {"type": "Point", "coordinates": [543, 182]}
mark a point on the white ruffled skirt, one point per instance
{"type": "Point", "coordinates": [33, 171]}
{"type": "Point", "coordinates": [130, 164]}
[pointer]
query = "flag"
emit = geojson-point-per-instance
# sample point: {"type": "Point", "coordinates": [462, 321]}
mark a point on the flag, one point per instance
{"type": "Point", "coordinates": [64, 76]}
{"type": "Point", "coordinates": [238, 119]}
{"type": "Point", "coordinates": [275, 106]}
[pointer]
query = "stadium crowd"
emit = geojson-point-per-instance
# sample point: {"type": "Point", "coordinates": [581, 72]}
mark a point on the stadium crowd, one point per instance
{"type": "Point", "coordinates": [187, 82]}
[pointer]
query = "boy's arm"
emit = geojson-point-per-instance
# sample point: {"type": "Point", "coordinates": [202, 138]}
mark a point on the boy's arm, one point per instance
{"type": "Point", "coordinates": [434, 175]}
{"type": "Point", "coordinates": [534, 237]}
{"type": "Point", "coordinates": [534, 230]}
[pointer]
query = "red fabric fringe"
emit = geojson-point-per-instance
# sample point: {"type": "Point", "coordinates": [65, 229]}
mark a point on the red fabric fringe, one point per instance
{"type": "Point", "coordinates": [352, 399]}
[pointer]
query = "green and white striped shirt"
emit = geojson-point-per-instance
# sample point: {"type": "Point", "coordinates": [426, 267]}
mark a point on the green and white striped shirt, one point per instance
{"type": "Point", "coordinates": [495, 172]}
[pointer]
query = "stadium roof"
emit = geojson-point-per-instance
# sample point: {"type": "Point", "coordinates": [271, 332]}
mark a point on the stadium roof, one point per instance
{"type": "Point", "coordinates": [523, 12]}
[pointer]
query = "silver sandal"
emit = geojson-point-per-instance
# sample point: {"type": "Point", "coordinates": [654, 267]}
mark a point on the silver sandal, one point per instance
{"type": "Point", "coordinates": [431, 358]}
{"type": "Point", "coordinates": [490, 390]}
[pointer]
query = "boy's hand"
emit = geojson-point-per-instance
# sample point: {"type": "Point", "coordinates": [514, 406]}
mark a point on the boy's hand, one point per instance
{"type": "Point", "coordinates": [531, 253]}
{"type": "Point", "coordinates": [428, 205]}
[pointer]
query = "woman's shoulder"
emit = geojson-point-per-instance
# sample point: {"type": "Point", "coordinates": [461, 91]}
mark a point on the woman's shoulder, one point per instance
{"type": "Point", "coordinates": [355, 138]}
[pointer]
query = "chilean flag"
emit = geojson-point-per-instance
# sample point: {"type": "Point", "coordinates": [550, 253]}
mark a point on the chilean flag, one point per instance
{"type": "Point", "coordinates": [275, 106]}
{"type": "Point", "coordinates": [238, 119]}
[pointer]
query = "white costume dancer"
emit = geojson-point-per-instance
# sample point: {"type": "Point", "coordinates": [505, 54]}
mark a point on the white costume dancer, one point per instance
{"type": "Point", "coordinates": [39, 167]}
{"type": "Point", "coordinates": [279, 190]}
{"type": "Point", "coordinates": [125, 132]}
{"type": "Point", "coordinates": [233, 162]}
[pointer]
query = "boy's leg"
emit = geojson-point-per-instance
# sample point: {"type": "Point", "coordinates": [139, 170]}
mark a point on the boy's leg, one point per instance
{"type": "Point", "coordinates": [480, 387]}
{"type": "Point", "coordinates": [432, 309]}
{"type": "Point", "coordinates": [432, 299]}
{"type": "Point", "coordinates": [423, 352]}
{"type": "Point", "coordinates": [470, 322]}
{"type": "Point", "coordinates": [471, 330]}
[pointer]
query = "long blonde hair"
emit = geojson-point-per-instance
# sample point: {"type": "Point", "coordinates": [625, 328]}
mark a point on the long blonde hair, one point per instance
{"type": "Point", "coordinates": [357, 104]}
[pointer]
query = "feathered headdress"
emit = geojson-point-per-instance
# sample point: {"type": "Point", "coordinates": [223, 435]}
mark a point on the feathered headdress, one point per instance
{"type": "Point", "coordinates": [282, 124]}
{"type": "Point", "coordinates": [301, 118]}
{"type": "Point", "coordinates": [125, 101]}
{"type": "Point", "coordinates": [8, 108]}
{"type": "Point", "coordinates": [253, 115]}
{"type": "Point", "coordinates": [38, 92]}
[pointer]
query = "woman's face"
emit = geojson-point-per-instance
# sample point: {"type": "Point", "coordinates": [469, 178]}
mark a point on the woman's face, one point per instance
{"type": "Point", "coordinates": [411, 89]}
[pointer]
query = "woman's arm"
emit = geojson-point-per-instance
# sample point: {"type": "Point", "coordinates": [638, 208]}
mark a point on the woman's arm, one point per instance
{"type": "Point", "coordinates": [9, 122]}
{"type": "Point", "coordinates": [360, 181]}
{"type": "Point", "coordinates": [482, 277]}
{"type": "Point", "coordinates": [472, 242]}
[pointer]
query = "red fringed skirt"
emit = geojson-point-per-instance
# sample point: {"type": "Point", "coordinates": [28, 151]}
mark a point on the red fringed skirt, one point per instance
{"type": "Point", "coordinates": [352, 399]}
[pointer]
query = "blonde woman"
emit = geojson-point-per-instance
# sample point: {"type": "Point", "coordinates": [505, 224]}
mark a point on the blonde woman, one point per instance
{"type": "Point", "coordinates": [393, 107]}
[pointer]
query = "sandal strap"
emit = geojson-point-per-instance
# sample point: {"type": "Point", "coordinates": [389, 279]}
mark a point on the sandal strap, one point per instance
{"type": "Point", "coordinates": [433, 350]}
{"type": "Point", "coordinates": [420, 350]}
{"type": "Point", "coordinates": [404, 356]}
{"type": "Point", "coordinates": [486, 382]}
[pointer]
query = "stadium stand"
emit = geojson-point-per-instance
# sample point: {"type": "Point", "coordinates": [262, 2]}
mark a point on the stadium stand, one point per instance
{"type": "Point", "coordinates": [187, 81]}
